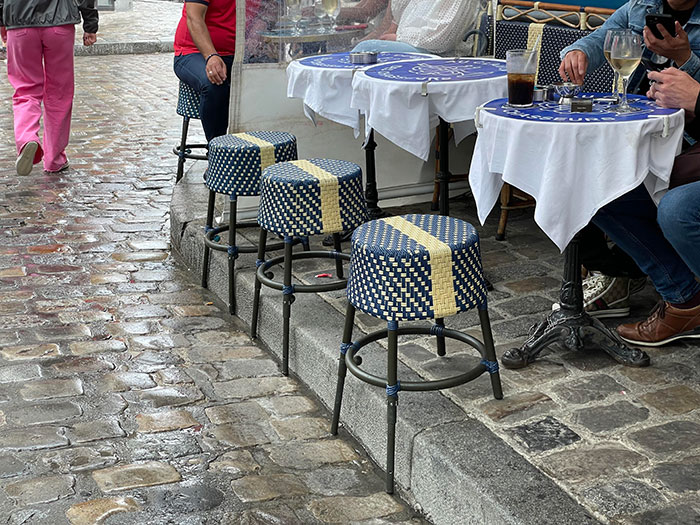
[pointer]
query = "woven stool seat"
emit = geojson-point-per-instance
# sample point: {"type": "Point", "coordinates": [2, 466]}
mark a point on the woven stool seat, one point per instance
{"type": "Point", "coordinates": [416, 267]}
{"type": "Point", "coordinates": [188, 102]}
{"type": "Point", "coordinates": [413, 268]}
{"type": "Point", "coordinates": [312, 197]}
{"type": "Point", "coordinates": [237, 160]}
{"type": "Point", "coordinates": [187, 108]}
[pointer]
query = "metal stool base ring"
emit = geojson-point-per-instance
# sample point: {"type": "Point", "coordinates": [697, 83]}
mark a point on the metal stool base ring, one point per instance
{"type": "Point", "coordinates": [416, 386]}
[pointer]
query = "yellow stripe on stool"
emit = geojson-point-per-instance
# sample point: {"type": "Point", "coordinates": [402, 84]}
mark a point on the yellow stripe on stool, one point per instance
{"type": "Point", "coordinates": [444, 302]}
{"type": "Point", "coordinates": [330, 195]}
{"type": "Point", "coordinates": [267, 149]}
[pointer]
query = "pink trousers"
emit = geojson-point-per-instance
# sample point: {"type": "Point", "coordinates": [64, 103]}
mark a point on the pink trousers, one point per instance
{"type": "Point", "coordinates": [40, 68]}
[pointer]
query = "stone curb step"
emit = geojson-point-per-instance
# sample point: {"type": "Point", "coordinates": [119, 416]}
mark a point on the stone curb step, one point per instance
{"type": "Point", "coordinates": [450, 465]}
{"type": "Point", "coordinates": [125, 48]}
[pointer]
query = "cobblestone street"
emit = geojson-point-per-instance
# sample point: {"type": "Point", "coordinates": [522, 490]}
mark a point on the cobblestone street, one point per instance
{"type": "Point", "coordinates": [126, 395]}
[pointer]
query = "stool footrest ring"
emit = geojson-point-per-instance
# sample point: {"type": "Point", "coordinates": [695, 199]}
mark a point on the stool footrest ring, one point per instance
{"type": "Point", "coordinates": [303, 288]}
{"type": "Point", "coordinates": [186, 153]}
{"type": "Point", "coordinates": [416, 386]}
{"type": "Point", "coordinates": [219, 247]}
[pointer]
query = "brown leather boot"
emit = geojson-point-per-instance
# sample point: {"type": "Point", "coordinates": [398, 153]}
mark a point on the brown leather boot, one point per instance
{"type": "Point", "coordinates": [664, 325]}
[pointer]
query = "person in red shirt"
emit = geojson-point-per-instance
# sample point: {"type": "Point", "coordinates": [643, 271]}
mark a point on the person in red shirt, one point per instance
{"type": "Point", "coordinates": [205, 42]}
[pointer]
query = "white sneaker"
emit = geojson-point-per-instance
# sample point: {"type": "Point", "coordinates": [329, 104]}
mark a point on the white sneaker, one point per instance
{"type": "Point", "coordinates": [25, 160]}
{"type": "Point", "coordinates": [605, 296]}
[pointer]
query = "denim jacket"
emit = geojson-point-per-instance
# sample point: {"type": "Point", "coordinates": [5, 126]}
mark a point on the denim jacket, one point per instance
{"type": "Point", "coordinates": [632, 15]}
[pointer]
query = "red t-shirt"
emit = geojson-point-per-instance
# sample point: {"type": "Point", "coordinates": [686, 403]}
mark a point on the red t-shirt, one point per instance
{"type": "Point", "coordinates": [221, 22]}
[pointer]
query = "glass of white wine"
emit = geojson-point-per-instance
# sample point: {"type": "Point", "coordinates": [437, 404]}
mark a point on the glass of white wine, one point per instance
{"type": "Point", "coordinates": [332, 9]}
{"type": "Point", "coordinates": [625, 55]}
{"type": "Point", "coordinates": [319, 13]}
{"type": "Point", "coordinates": [294, 13]}
{"type": "Point", "coordinates": [607, 46]}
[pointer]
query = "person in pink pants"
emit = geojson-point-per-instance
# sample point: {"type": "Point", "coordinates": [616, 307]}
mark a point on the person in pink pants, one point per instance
{"type": "Point", "coordinates": [40, 36]}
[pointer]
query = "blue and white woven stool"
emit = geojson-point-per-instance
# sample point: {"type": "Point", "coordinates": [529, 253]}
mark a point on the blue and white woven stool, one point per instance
{"type": "Point", "coordinates": [235, 166]}
{"type": "Point", "coordinates": [412, 268]}
{"type": "Point", "coordinates": [299, 199]}
{"type": "Point", "coordinates": [187, 108]}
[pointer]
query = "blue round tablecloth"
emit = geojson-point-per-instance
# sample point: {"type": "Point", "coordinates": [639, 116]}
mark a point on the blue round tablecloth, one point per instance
{"type": "Point", "coordinates": [342, 60]}
{"type": "Point", "coordinates": [439, 70]}
{"type": "Point", "coordinates": [602, 111]}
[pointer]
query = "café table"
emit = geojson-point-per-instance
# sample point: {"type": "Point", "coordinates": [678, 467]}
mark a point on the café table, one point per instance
{"type": "Point", "coordinates": [324, 84]}
{"type": "Point", "coordinates": [405, 102]}
{"type": "Point", "coordinates": [573, 164]}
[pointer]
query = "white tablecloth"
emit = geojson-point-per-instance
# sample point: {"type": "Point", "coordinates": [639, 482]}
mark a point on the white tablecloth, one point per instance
{"type": "Point", "coordinates": [404, 105]}
{"type": "Point", "coordinates": [573, 164]}
{"type": "Point", "coordinates": [324, 83]}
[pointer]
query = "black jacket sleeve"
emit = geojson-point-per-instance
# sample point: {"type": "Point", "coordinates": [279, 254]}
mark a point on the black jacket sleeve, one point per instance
{"type": "Point", "coordinates": [2, 5]}
{"type": "Point", "coordinates": [89, 14]}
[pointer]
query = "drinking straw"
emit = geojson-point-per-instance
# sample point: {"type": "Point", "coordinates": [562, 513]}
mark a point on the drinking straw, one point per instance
{"type": "Point", "coordinates": [534, 50]}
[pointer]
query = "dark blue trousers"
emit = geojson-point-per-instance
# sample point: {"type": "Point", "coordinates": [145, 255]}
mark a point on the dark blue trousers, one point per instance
{"type": "Point", "coordinates": [214, 99]}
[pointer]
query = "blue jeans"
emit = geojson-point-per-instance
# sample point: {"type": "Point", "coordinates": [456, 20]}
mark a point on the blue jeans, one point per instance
{"type": "Point", "coordinates": [387, 46]}
{"type": "Point", "coordinates": [664, 242]}
{"type": "Point", "coordinates": [213, 102]}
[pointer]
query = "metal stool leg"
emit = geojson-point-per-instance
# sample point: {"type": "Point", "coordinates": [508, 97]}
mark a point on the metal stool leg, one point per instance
{"type": "Point", "coordinates": [338, 248]}
{"type": "Point", "coordinates": [288, 299]}
{"type": "Point", "coordinates": [183, 145]}
{"type": "Point", "coordinates": [342, 367]}
{"type": "Point", "coordinates": [262, 245]}
{"type": "Point", "coordinates": [210, 220]}
{"type": "Point", "coordinates": [392, 400]}
{"type": "Point", "coordinates": [440, 339]}
{"type": "Point", "coordinates": [490, 352]}
{"type": "Point", "coordinates": [232, 255]}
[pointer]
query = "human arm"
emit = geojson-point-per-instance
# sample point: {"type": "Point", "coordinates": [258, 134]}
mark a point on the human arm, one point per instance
{"type": "Point", "coordinates": [590, 48]}
{"type": "Point", "coordinates": [196, 13]}
{"type": "Point", "coordinates": [90, 21]}
{"type": "Point", "coordinates": [384, 27]}
{"type": "Point", "coordinates": [675, 48]}
{"type": "Point", "coordinates": [363, 11]}
{"type": "Point", "coordinates": [3, 31]}
{"type": "Point", "coordinates": [673, 88]}
{"type": "Point", "coordinates": [390, 32]}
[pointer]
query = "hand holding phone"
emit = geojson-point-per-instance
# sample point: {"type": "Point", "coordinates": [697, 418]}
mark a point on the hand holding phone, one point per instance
{"type": "Point", "coordinates": [667, 21]}
{"type": "Point", "coordinates": [673, 45]}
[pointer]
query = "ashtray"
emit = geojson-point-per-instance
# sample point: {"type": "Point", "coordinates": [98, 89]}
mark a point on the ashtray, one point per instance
{"type": "Point", "coordinates": [543, 93]}
{"type": "Point", "coordinates": [364, 57]}
{"type": "Point", "coordinates": [567, 90]}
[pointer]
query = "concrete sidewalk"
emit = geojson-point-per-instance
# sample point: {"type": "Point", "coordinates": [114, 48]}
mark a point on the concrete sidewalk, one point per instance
{"type": "Point", "coordinates": [148, 28]}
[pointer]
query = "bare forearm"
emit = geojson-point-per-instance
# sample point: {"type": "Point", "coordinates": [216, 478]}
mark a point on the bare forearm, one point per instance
{"type": "Point", "coordinates": [200, 35]}
{"type": "Point", "coordinates": [362, 11]}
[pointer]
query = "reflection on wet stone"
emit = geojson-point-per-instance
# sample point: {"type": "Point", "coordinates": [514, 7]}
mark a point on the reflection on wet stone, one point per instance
{"type": "Point", "coordinates": [163, 446]}
{"type": "Point", "coordinates": [44, 413]}
{"type": "Point", "coordinates": [98, 510]}
{"type": "Point", "coordinates": [265, 487]}
{"type": "Point", "coordinates": [125, 477]}
{"type": "Point", "coordinates": [235, 462]}
{"type": "Point", "coordinates": [51, 388]}
{"type": "Point", "coordinates": [164, 421]}
{"type": "Point", "coordinates": [33, 438]}
{"type": "Point", "coordinates": [186, 500]}
{"type": "Point", "coordinates": [546, 434]}
{"type": "Point", "coordinates": [40, 490]}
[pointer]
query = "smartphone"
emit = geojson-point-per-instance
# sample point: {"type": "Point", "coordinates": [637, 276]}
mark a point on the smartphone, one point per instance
{"type": "Point", "coordinates": [656, 63]}
{"type": "Point", "coordinates": [667, 21]}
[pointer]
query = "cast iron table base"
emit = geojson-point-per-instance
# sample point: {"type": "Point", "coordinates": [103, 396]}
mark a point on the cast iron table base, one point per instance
{"type": "Point", "coordinates": [572, 326]}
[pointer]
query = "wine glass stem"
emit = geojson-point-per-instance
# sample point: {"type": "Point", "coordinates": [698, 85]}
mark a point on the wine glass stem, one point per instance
{"type": "Point", "coordinates": [624, 104]}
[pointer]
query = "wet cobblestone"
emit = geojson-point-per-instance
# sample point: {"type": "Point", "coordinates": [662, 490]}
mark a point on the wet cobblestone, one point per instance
{"type": "Point", "coordinates": [126, 395]}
